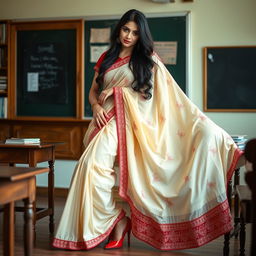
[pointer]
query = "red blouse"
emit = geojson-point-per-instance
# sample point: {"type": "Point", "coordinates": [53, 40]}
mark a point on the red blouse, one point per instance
{"type": "Point", "coordinates": [101, 58]}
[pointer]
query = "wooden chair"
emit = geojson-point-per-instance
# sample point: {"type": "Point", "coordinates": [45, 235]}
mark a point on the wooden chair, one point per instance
{"type": "Point", "coordinates": [247, 197]}
{"type": "Point", "coordinates": [231, 191]}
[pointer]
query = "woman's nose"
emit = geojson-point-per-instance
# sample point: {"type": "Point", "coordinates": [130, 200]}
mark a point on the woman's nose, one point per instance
{"type": "Point", "coordinates": [129, 35]}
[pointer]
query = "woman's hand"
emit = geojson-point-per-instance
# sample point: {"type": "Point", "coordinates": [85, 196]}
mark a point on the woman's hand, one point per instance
{"type": "Point", "coordinates": [99, 115]}
{"type": "Point", "coordinates": [104, 95]}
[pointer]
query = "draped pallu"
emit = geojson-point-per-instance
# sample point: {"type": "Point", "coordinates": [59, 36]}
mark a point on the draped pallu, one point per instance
{"type": "Point", "coordinates": [174, 165]}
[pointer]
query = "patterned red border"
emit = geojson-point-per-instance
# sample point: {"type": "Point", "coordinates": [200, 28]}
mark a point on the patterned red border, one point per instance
{"type": "Point", "coordinates": [85, 245]}
{"type": "Point", "coordinates": [122, 149]}
{"type": "Point", "coordinates": [177, 236]}
{"type": "Point", "coordinates": [184, 235]}
{"type": "Point", "coordinates": [119, 63]}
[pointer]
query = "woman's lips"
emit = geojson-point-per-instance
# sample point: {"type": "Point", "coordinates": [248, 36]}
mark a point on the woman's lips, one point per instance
{"type": "Point", "coordinates": [126, 41]}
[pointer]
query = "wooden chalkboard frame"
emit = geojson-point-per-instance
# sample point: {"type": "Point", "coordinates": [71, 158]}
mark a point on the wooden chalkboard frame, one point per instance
{"type": "Point", "coordinates": [213, 89]}
{"type": "Point", "coordinates": [48, 25]}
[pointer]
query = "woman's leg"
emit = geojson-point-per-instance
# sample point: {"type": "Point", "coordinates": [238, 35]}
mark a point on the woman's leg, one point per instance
{"type": "Point", "coordinates": [90, 212]}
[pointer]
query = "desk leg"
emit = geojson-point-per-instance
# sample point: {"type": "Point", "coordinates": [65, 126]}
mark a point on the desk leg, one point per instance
{"type": "Point", "coordinates": [8, 231]}
{"type": "Point", "coordinates": [51, 195]}
{"type": "Point", "coordinates": [28, 227]}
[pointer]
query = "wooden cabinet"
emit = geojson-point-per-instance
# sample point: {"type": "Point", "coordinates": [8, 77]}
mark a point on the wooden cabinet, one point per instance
{"type": "Point", "coordinates": [71, 134]}
{"type": "Point", "coordinates": [5, 130]}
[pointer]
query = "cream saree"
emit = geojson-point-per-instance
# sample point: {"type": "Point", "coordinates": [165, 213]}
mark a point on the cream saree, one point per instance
{"type": "Point", "coordinates": [174, 166]}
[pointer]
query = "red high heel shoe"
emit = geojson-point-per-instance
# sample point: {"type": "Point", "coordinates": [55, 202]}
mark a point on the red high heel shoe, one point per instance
{"type": "Point", "coordinates": [119, 243]}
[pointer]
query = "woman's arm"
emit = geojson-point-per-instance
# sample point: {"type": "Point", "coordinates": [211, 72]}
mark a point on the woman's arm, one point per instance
{"type": "Point", "coordinates": [99, 114]}
{"type": "Point", "coordinates": [94, 91]}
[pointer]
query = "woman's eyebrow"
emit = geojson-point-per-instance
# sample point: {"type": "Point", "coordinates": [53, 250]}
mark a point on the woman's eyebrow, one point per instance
{"type": "Point", "coordinates": [129, 29]}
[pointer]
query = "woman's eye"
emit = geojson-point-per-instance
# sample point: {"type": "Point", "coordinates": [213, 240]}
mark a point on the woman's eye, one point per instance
{"type": "Point", "coordinates": [135, 33]}
{"type": "Point", "coordinates": [125, 29]}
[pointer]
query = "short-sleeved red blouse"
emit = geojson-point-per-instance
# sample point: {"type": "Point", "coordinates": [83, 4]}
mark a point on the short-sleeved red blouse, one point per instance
{"type": "Point", "coordinates": [101, 58]}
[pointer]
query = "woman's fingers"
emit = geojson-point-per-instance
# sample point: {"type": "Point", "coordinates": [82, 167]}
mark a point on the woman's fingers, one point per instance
{"type": "Point", "coordinates": [98, 123]}
{"type": "Point", "coordinates": [103, 120]}
{"type": "Point", "coordinates": [105, 114]}
{"type": "Point", "coordinates": [100, 119]}
{"type": "Point", "coordinates": [100, 115]}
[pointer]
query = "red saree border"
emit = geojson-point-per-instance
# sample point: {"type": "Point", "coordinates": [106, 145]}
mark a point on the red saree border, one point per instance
{"type": "Point", "coordinates": [121, 135]}
{"type": "Point", "coordinates": [176, 236]}
{"type": "Point", "coordinates": [85, 245]}
{"type": "Point", "coordinates": [119, 63]}
{"type": "Point", "coordinates": [183, 235]}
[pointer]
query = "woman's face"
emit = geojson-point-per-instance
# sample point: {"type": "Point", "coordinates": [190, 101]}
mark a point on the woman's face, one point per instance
{"type": "Point", "coordinates": [129, 34]}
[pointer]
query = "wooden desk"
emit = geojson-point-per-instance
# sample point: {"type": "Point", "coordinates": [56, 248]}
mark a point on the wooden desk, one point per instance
{"type": "Point", "coordinates": [31, 155]}
{"type": "Point", "coordinates": [18, 183]}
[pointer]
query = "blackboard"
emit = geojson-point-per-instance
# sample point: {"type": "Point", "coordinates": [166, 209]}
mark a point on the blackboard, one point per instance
{"type": "Point", "coordinates": [230, 79]}
{"type": "Point", "coordinates": [162, 28]}
{"type": "Point", "coordinates": [46, 63]}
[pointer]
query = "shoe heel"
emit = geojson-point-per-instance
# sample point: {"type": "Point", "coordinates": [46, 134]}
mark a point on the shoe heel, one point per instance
{"type": "Point", "coordinates": [129, 238]}
{"type": "Point", "coordinates": [129, 228]}
{"type": "Point", "coordinates": [119, 243]}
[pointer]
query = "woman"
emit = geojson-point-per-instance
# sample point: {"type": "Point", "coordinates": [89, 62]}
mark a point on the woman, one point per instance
{"type": "Point", "coordinates": [174, 162]}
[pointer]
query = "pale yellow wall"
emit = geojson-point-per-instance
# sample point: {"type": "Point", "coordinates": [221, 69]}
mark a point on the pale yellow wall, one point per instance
{"type": "Point", "coordinates": [213, 23]}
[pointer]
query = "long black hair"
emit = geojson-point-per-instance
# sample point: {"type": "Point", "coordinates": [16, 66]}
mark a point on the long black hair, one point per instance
{"type": "Point", "coordinates": [141, 62]}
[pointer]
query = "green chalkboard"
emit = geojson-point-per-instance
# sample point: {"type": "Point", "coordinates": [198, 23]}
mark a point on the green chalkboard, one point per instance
{"type": "Point", "coordinates": [230, 78]}
{"type": "Point", "coordinates": [163, 29]}
{"type": "Point", "coordinates": [46, 78]}
{"type": "Point", "coordinates": [46, 73]}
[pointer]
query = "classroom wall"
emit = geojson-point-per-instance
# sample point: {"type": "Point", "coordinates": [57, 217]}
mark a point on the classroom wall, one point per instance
{"type": "Point", "coordinates": [213, 23]}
